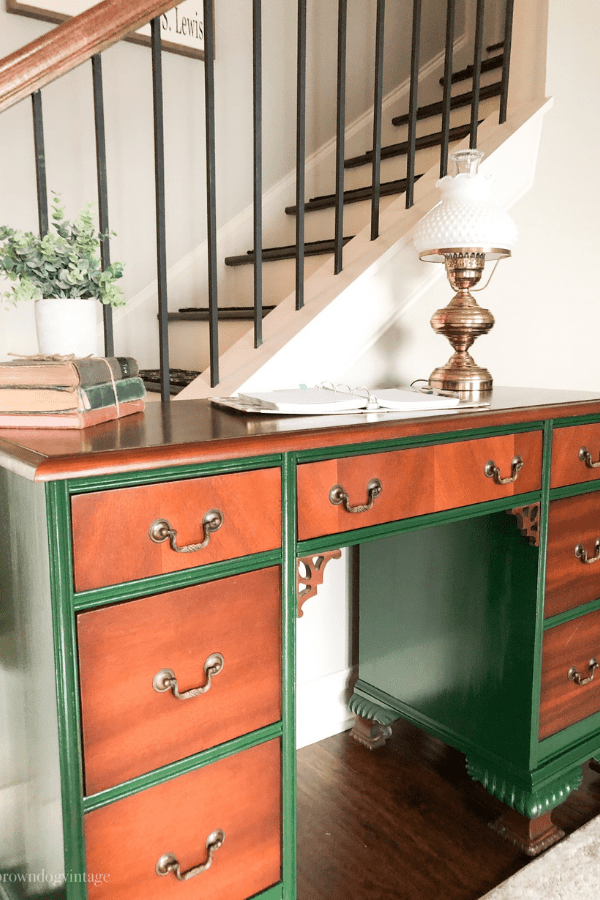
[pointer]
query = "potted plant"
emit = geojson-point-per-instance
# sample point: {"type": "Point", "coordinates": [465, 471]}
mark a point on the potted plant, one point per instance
{"type": "Point", "coordinates": [63, 274]}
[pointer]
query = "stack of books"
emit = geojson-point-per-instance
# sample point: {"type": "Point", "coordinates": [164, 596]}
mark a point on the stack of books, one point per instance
{"type": "Point", "coordinates": [68, 393]}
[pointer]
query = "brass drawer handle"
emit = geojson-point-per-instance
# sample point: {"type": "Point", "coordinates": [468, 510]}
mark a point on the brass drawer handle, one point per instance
{"type": "Point", "coordinates": [165, 680]}
{"type": "Point", "coordinates": [491, 470]}
{"type": "Point", "coordinates": [338, 495]}
{"type": "Point", "coordinates": [586, 457]}
{"type": "Point", "coordinates": [161, 531]}
{"type": "Point", "coordinates": [573, 674]}
{"type": "Point", "coordinates": [581, 553]}
{"type": "Point", "coordinates": [168, 862]}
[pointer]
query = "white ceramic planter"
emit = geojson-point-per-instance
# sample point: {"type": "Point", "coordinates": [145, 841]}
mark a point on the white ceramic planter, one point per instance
{"type": "Point", "coordinates": [66, 325]}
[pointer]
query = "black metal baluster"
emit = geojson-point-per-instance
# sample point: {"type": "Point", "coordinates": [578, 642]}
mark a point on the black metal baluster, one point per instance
{"type": "Point", "coordinates": [300, 152]}
{"type": "Point", "coordinates": [109, 347]}
{"type": "Point", "coordinates": [477, 54]}
{"type": "Point", "coordinates": [508, 24]}
{"type": "Point", "coordinates": [377, 114]}
{"type": "Point", "coordinates": [40, 162]}
{"type": "Point", "coordinates": [257, 116]}
{"type": "Point", "coordinates": [412, 103]}
{"type": "Point", "coordinates": [211, 202]}
{"type": "Point", "coordinates": [446, 102]}
{"type": "Point", "coordinates": [340, 135]}
{"type": "Point", "coordinates": [159, 179]}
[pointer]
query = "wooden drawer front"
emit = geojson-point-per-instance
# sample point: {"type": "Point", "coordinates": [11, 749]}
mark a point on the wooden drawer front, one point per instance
{"type": "Point", "coordinates": [407, 490]}
{"type": "Point", "coordinates": [567, 467]}
{"type": "Point", "coordinates": [240, 795]}
{"type": "Point", "coordinates": [130, 728]}
{"type": "Point", "coordinates": [414, 481]}
{"type": "Point", "coordinates": [114, 525]}
{"type": "Point", "coordinates": [569, 581]}
{"type": "Point", "coordinates": [563, 701]}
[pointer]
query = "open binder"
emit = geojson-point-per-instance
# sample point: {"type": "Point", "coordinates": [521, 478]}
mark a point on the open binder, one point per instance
{"type": "Point", "coordinates": [327, 399]}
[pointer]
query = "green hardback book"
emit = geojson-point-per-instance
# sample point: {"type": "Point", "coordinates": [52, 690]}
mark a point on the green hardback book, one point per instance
{"type": "Point", "coordinates": [23, 399]}
{"type": "Point", "coordinates": [67, 372]}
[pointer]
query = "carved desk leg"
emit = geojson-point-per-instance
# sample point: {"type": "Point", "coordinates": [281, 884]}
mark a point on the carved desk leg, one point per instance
{"type": "Point", "coordinates": [531, 836]}
{"type": "Point", "coordinates": [527, 822]}
{"type": "Point", "coordinates": [369, 733]}
{"type": "Point", "coordinates": [371, 721]}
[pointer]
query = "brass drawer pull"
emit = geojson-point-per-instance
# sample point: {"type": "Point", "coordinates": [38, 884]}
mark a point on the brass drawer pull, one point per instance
{"type": "Point", "coordinates": [161, 531]}
{"type": "Point", "coordinates": [586, 457]}
{"type": "Point", "coordinates": [165, 680]}
{"type": "Point", "coordinates": [338, 495]}
{"type": "Point", "coordinates": [573, 674]}
{"type": "Point", "coordinates": [581, 553]}
{"type": "Point", "coordinates": [168, 862]}
{"type": "Point", "coordinates": [491, 470]}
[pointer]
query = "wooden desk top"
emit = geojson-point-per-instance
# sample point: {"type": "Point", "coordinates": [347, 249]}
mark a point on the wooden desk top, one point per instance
{"type": "Point", "coordinates": [193, 431]}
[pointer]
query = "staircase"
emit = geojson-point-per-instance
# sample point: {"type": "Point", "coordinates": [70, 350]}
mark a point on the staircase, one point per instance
{"type": "Point", "coordinates": [279, 261]}
{"type": "Point", "coordinates": [357, 197]}
{"type": "Point", "coordinates": [343, 309]}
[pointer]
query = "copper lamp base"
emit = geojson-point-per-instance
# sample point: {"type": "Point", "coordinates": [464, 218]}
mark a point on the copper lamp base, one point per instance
{"type": "Point", "coordinates": [461, 322]}
{"type": "Point", "coordinates": [462, 375]}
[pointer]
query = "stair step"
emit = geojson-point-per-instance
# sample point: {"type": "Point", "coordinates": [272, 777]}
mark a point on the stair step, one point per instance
{"type": "Point", "coordinates": [494, 62]}
{"type": "Point", "coordinates": [178, 379]}
{"type": "Point", "coordinates": [327, 201]}
{"type": "Point", "coordinates": [197, 314]}
{"type": "Point", "coordinates": [314, 248]}
{"type": "Point", "coordinates": [426, 140]}
{"type": "Point", "coordinates": [456, 102]}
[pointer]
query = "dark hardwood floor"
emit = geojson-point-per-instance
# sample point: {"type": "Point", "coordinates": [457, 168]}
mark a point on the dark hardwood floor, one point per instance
{"type": "Point", "coordinates": [405, 822]}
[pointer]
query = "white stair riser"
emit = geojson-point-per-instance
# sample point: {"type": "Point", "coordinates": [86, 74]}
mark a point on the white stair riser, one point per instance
{"type": "Point", "coordinates": [460, 116]}
{"type": "Point", "coordinates": [320, 224]}
{"type": "Point", "coordinates": [278, 279]}
{"type": "Point", "coordinates": [189, 341]}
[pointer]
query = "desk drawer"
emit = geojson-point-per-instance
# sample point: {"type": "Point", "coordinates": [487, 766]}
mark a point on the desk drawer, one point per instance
{"type": "Point", "coordinates": [572, 523]}
{"type": "Point", "coordinates": [414, 482]}
{"type": "Point", "coordinates": [569, 653]}
{"type": "Point", "coordinates": [111, 529]}
{"type": "Point", "coordinates": [240, 795]}
{"type": "Point", "coordinates": [568, 466]}
{"type": "Point", "coordinates": [129, 727]}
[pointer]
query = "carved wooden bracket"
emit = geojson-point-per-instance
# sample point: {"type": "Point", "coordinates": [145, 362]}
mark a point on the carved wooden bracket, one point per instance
{"type": "Point", "coordinates": [314, 566]}
{"type": "Point", "coordinates": [528, 522]}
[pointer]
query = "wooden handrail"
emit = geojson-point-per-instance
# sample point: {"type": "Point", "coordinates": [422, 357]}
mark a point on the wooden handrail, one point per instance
{"type": "Point", "coordinates": [72, 43]}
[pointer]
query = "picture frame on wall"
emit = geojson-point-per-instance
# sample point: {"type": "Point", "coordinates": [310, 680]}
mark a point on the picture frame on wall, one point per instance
{"type": "Point", "coordinates": [182, 28]}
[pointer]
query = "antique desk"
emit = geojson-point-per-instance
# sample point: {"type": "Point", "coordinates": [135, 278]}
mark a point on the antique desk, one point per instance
{"type": "Point", "coordinates": [150, 585]}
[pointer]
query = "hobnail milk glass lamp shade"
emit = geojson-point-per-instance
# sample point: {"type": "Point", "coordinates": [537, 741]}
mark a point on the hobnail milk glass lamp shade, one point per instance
{"type": "Point", "coordinates": [466, 216]}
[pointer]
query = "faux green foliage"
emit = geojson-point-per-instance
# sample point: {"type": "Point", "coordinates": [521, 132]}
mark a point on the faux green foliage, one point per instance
{"type": "Point", "coordinates": [63, 263]}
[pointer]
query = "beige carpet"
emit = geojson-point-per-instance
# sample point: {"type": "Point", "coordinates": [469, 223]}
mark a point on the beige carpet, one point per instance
{"type": "Point", "coordinates": [568, 871]}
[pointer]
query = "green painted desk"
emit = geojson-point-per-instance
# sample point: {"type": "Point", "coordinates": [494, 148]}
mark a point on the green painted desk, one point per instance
{"type": "Point", "coordinates": [152, 571]}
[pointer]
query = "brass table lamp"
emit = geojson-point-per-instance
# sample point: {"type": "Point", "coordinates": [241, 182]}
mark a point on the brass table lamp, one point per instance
{"type": "Point", "coordinates": [464, 230]}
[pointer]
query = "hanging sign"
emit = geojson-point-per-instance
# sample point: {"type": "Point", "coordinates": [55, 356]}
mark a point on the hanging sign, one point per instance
{"type": "Point", "coordinates": [182, 28]}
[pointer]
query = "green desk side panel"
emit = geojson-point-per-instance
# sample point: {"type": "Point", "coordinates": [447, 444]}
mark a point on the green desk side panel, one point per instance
{"type": "Point", "coordinates": [31, 835]}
